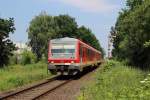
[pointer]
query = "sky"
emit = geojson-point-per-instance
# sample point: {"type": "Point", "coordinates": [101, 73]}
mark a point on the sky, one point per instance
{"type": "Point", "coordinates": [98, 15]}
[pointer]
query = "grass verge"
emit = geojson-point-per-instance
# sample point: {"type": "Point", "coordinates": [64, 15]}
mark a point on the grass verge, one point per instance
{"type": "Point", "coordinates": [115, 81]}
{"type": "Point", "coordinates": [18, 75]}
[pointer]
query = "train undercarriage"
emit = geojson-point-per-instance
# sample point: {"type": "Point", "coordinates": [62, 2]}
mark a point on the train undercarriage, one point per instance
{"type": "Point", "coordinates": [75, 69]}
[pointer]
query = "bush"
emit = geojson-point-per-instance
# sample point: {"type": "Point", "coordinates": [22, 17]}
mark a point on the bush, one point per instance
{"type": "Point", "coordinates": [13, 60]}
{"type": "Point", "coordinates": [27, 57]}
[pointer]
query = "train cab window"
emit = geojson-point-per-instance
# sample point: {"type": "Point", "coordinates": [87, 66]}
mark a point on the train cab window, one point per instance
{"type": "Point", "coordinates": [63, 51]}
{"type": "Point", "coordinates": [69, 50]}
{"type": "Point", "coordinates": [57, 50]}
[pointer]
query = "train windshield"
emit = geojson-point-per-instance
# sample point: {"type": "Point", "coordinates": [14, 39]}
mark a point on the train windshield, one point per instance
{"type": "Point", "coordinates": [63, 51]}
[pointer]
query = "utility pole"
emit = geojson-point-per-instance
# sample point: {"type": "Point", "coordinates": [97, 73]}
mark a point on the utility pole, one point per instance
{"type": "Point", "coordinates": [109, 46]}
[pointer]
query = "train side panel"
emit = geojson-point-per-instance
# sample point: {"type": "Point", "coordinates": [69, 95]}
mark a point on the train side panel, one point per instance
{"type": "Point", "coordinates": [88, 56]}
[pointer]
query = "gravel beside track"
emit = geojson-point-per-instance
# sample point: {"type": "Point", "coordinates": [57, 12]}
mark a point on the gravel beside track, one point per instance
{"type": "Point", "coordinates": [71, 90]}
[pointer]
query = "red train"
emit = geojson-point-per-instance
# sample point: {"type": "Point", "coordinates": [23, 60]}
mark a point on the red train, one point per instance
{"type": "Point", "coordinates": [71, 56]}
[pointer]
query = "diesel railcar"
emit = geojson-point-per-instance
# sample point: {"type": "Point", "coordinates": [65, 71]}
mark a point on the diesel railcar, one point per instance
{"type": "Point", "coordinates": [70, 56]}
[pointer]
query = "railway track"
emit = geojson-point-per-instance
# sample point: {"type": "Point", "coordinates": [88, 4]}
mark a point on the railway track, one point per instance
{"type": "Point", "coordinates": [38, 90]}
{"type": "Point", "coordinates": [42, 89]}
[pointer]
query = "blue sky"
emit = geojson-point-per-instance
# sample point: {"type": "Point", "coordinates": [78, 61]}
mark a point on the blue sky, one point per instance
{"type": "Point", "coordinates": [98, 15]}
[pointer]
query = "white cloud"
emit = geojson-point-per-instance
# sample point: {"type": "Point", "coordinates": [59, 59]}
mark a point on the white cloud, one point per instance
{"type": "Point", "coordinates": [91, 5]}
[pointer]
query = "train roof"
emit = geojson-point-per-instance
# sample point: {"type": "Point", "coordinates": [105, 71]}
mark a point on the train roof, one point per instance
{"type": "Point", "coordinates": [90, 47]}
{"type": "Point", "coordinates": [65, 39]}
{"type": "Point", "coordinates": [68, 39]}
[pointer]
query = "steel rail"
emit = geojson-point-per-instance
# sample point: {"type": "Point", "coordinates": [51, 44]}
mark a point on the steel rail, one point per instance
{"type": "Point", "coordinates": [29, 88]}
{"type": "Point", "coordinates": [51, 90]}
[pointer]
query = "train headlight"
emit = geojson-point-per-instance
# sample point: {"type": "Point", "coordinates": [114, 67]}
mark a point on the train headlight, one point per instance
{"type": "Point", "coordinates": [72, 62]}
{"type": "Point", "coordinates": [52, 62]}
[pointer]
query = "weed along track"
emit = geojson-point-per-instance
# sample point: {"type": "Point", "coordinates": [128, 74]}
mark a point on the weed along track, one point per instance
{"type": "Point", "coordinates": [50, 88]}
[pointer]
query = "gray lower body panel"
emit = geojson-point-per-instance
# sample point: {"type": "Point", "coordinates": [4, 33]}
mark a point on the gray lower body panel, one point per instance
{"type": "Point", "coordinates": [63, 68]}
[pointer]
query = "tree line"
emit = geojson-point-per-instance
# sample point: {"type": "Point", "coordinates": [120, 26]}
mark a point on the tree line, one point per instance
{"type": "Point", "coordinates": [131, 34]}
{"type": "Point", "coordinates": [42, 28]}
{"type": "Point", "coordinates": [45, 27]}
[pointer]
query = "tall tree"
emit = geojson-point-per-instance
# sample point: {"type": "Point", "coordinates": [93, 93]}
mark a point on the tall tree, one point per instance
{"type": "Point", "coordinates": [133, 35]}
{"type": "Point", "coordinates": [6, 45]}
{"type": "Point", "coordinates": [45, 27]}
{"type": "Point", "coordinates": [66, 26]}
{"type": "Point", "coordinates": [41, 28]}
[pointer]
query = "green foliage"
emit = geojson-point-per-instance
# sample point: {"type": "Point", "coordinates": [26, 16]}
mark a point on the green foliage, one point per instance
{"type": "Point", "coordinates": [27, 57]}
{"type": "Point", "coordinates": [132, 4]}
{"type": "Point", "coordinates": [132, 32]}
{"type": "Point", "coordinates": [115, 81]}
{"type": "Point", "coordinates": [6, 45]}
{"type": "Point", "coordinates": [13, 60]}
{"type": "Point", "coordinates": [44, 27]}
{"type": "Point", "coordinates": [66, 26]}
{"type": "Point", "coordinates": [88, 37]}
{"type": "Point", "coordinates": [18, 75]}
{"type": "Point", "coordinates": [147, 44]}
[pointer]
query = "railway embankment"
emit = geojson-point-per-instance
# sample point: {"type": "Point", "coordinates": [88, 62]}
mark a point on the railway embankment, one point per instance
{"type": "Point", "coordinates": [56, 88]}
{"type": "Point", "coordinates": [16, 76]}
{"type": "Point", "coordinates": [114, 80]}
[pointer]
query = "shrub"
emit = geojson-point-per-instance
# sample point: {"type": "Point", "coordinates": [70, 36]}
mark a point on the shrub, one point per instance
{"type": "Point", "coordinates": [27, 57]}
{"type": "Point", "coordinates": [13, 60]}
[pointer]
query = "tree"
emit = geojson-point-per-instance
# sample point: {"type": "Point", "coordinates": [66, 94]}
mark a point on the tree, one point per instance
{"type": "Point", "coordinates": [45, 27]}
{"type": "Point", "coordinates": [133, 34]}
{"type": "Point", "coordinates": [88, 37]}
{"type": "Point", "coordinates": [40, 30]}
{"type": "Point", "coordinates": [6, 45]}
{"type": "Point", "coordinates": [66, 26]}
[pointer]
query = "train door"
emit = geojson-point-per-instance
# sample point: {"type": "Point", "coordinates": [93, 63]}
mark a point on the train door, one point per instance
{"type": "Point", "coordinates": [81, 54]}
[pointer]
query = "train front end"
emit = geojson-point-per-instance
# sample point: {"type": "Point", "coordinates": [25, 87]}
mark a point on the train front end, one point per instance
{"type": "Point", "coordinates": [63, 56]}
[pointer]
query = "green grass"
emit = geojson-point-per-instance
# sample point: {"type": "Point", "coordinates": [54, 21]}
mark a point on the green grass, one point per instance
{"type": "Point", "coordinates": [115, 81]}
{"type": "Point", "coordinates": [18, 75]}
